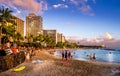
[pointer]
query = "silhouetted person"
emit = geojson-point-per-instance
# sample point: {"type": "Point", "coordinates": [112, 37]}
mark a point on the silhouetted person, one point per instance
{"type": "Point", "coordinates": [66, 54]}
{"type": "Point", "coordinates": [63, 55]}
{"type": "Point", "coordinates": [94, 56]}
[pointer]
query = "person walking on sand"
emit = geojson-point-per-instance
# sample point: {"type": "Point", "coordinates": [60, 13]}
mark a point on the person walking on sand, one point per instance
{"type": "Point", "coordinates": [66, 54]}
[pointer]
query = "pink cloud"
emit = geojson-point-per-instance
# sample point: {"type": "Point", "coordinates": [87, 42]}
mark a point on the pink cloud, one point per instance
{"type": "Point", "coordinates": [84, 6]}
{"type": "Point", "coordinates": [1, 1]}
{"type": "Point", "coordinates": [112, 43]}
{"type": "Point", "coordinates": [29, 5]}
{"type": "Point", "coordinates": [106, 40]}
{"type": "Point", "coordinates": [87, 10]}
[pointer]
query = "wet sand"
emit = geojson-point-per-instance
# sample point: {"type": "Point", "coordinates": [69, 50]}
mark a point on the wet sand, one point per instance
{"type": "Point", "coordinates": [54, 66]}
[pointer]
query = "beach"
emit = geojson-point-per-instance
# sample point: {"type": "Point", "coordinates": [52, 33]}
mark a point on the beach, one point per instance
{"type": "Point", "coordinates": [53, 66]}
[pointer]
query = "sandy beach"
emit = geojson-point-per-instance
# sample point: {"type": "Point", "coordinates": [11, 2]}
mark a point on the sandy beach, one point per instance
{"type": "Point", "coordinates": [54, 66]}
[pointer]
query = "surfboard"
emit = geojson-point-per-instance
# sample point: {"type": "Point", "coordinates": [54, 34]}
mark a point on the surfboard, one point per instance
{"type": "Point", "coordinates": [19, 68]}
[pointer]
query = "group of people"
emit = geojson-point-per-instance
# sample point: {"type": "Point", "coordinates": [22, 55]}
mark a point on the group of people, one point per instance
{"type": "Point", "coordinates": [8, 49]}
{"type": "Point", "coordinates": [92, 56]}
{"type": "Point", "coordinates": [66, 54]}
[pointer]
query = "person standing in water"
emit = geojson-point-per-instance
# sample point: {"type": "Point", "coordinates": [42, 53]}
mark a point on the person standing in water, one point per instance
{"type": "Point", "coordinates": [66, 54]}
{"type": "Point", "coordinates": [94, 56]}
{"type": "Point", "coordinates": [63, 55]}
{"type": "Point", "coordinates": [70, 55]}
{"type": "Point", "coordinates": [90, 56]}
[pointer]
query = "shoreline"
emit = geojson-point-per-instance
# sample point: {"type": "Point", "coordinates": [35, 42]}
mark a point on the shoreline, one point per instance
{"type": "Point", "coordinates": [92, 61]}
{"type": "Point", "coordinates": [101, 61]}
{"type": "Point", "coordinates": [52, 66]}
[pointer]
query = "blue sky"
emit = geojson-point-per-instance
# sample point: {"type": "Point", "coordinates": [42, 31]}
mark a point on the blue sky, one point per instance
{"type": "Point", "coordinates": [84, 19]}
{"type": "Point", "coordinates": [73, 22]}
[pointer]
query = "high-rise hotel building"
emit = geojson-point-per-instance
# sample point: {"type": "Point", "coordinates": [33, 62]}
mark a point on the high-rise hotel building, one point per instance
{"type": "Point", "coordinates": [34, 25]}
{"type": "Point", "coordinates": [60, 38]}
{"type": "Point", "coordinates": [52, 33]}
{"type": "Point", "coordinates": [19, 25]}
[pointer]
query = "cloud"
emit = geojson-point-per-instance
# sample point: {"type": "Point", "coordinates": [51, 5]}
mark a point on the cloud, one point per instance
{"type": "Point", "coordinates": [81, 1]}
{"type": "Point", "coordinates": [83, 6]}
{"type": "Point", "coordinates": [87, 10]}
{"type": "Point", "coordinates": [29, 5]}
{"type": "Point", "coordinates": [107, 36]}
{"type": "Point", "coordinates": [77, 2]}
{"type": "Point", "coordinates": [94, 40]}
{"type": "Point", "coordinates": [94, 1]}
{"type": "Point", "coordinates": [60, 6]}
{"type": "Point", "coordinates": [112, 43]}
{"type": "Point", "coordinates": [63, 0]}
{"type": "Point", "coordinates": [106, 40]}
{"type": "Point", "coordinates": [74, 38]}
{"type": "Point", "coordinates": [74, 2]}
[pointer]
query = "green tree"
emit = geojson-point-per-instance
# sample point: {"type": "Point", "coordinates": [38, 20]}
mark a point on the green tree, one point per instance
{"type": "Point", "coordinates": [30, 38]}
{"type": "Point", "coordinates": [60, 44]}
{"type": "Point", "coordinates": [18, 37]}
{"type": "Point", "coordinates": [39, 38]}
{"type": "Point", "coordinates": [69, 44]}
{"type": "Point", "coordinates": [65, 44]}
{"type": "Point", "coordinates": [49, 41]}
{"type": "Point", "coordinates": [5, 18]}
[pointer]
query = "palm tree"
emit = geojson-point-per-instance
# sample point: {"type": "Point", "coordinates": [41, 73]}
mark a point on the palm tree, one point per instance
{"type": "Point", "coordinates": [18, 37]}
{"type": "Point", "coordinates": [5, 16]}
{"type": "Point", "coordinates": [7, 32]}
{"type": "Point", "coordinates": [39, 38]}
{"type": "Point", "coordinates": [60, 45]}
{"type": "Point", "coordinates": [49, 41]}
{"type": "Point", "coordinates": [30, 38]}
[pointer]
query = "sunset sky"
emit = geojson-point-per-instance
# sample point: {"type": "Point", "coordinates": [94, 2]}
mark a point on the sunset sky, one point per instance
{"type": "Point", "coordinates": [95, 21]}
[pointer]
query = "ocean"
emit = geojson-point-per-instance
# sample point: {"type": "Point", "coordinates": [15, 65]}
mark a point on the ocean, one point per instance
{"type": "Point", "coordinates": [109, 56]}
